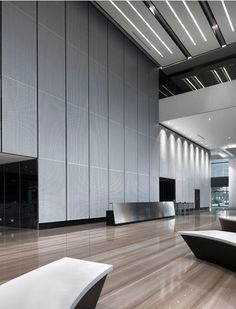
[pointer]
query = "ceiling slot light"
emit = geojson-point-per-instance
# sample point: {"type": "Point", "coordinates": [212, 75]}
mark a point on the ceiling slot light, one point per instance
{"type": "Point", "coordinates": [198, 81]}
{"type": "Point", "coordinates": [217, 76]}
{"type": "Point", "coordinates": [167, 90]}
{"type": "Point", "coordinates": [226, 74]}
{"type": "Point", "coordinates": [163, 93]}
{"type": "Point", "coordinates": [194, 20]}
{"type": "Point", "coordinates": [190, 83]}
{"type": "Point", "coordinates": [146, 23]}
{"type": "Point", "coordinates": [190, 57]}
{"type": "Point", "coordinates": [209, 119]}
{"type": "Point", "coordinates": [215, 27]}
{"type": "Point", "coordinates": [227, 15]}
{"type": "Point", "coordinates": [136, 28]}
{"type": "Point", "coordinates": [152, 9]}
{"type": "Point", "coordinates": [224, 45]}
{"type": "Point", "coordinates": [179, 20]}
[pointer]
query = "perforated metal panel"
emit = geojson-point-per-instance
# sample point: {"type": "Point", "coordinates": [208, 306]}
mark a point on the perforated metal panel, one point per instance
{"type": "Point", "coordinates": [143, 188]}
{"type": "Point", "coordinates": [116, 187]}
{"type": "Point", "coordinates": [131, 145]}
{"type": "Point", "coordinates": [77, 192]}
{"type": "Point", "coordinates": [77, 135]}
{"type": "Point", "coordinates": [131, 187]}
{"type": "Point", "coordinates": [98, 192]}
{"type": "Point", "coordinates": [19, 106]}
{"type": "Point", "coordinates": [52, 191]}
{"type": "Point", "coordinates": [143, 154]}
{"type": "Point", "coordinates": [116, 146]}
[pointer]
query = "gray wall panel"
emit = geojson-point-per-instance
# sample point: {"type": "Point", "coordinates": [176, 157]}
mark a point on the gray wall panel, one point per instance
{"type": "Point", "coordinates": [131, 187]}
{"type": "Point", "coordinates": [98, 141]}
{"type": "Point", "coordinates": [51, 105]}
{"type": "Point", "coordinates": [51, 14]}
{"type": "Point", "coordinates": [143, 154]}
{"type": "Point", "coordinates": [116, 146]}
{"type": "Point", "coordinates": [77, 192]}
{"type": "Point", "coordinates": [51, 63]}
{"type": "Point", "coordinates": [116, 98]}
{"type": "Point", "coordinates": [19, 105]}
{"type": "Point", "coordinates": [77, 135]}
{"type": "Point", "coordinates": [51, 127]}
{"type": "Point", "coordinates": [131, 144]}
{"type": "Point", "coordinates": [19, 44]}
{"type": "Point", "coordinates": [19, 123]}
{"type": "Point", "coordinates": [52, 191]}
{"type": "Point", "coordinates": [98, 192]}
{"type": "Point", "coordinates": [143, 188]}
{"type": "Point", "coordinates": [116, 187]}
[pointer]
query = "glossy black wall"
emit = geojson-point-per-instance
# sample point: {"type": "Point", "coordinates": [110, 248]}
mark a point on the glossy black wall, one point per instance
{"type": "Point", "coordinates": [18, 194]}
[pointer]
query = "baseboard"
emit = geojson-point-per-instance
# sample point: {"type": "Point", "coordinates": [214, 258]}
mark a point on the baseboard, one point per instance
{"type": "Point", "coordinates": [51, 225]}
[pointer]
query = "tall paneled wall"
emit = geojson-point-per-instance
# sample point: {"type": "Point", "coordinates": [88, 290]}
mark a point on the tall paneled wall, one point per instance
{"type": "Point", "coordinates": [77, 94]}
{"type": "Point", "coordinates": [232, 183]}
{"type": "Point", "coordinates": [188, 164]}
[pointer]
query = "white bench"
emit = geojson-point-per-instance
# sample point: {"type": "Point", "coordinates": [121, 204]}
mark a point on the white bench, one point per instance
{"type": "Point", "coordinates": [228, 223]}
{"type": "Point", "coordinates": [63, 284]}
{"type": "Point", "coordinates": [215, 246]}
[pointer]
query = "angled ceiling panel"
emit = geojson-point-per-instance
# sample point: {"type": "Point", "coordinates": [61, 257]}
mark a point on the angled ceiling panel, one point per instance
{"type": "Point", "coordinates": [165, 54]}
{"type": "Point", "coordinates": [192, 38]}
{"type": "Point", "coordinates": [228, 30]}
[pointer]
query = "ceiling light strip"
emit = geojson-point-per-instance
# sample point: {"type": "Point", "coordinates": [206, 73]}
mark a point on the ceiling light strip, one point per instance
{"type": "Point", "coordinates": [194, 20]}
{"type": "Point", "coordinates": [146, 23]}
{"type": "Point", "coordinates": [163, 93]}
{"type": "Point", "coordinates": [217, 76]}
{"type": "Point", "coordinates": [190, 83]}
{"type": "Point", "coordinates": [136, 28]}
{"type": "Point", "coordinates": [167, 90]}
{"type": "Point", "coordinates": [179, 20]}
{"type": "Point", "coordinates": [227, 15]}
{"type": "Point", "coordinates": [198, 81]}
{"type": "Point", "coordinates": [226, 74]}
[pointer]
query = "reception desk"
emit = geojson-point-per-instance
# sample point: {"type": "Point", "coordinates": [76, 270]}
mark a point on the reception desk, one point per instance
{"type": "Point", "coordinates": [122, 213]}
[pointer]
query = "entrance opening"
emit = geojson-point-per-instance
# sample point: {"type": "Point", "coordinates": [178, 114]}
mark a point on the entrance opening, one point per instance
{"type": "Point", "coordinates": [167, 189]}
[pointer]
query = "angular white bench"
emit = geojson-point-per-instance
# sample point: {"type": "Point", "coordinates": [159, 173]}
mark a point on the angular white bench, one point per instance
{"type": "Point", "coordinates": [63, 284]}
{"type": "Point", "coordinates": [228, 223]}
{"type": "Point", "coordinates": [215, 246]}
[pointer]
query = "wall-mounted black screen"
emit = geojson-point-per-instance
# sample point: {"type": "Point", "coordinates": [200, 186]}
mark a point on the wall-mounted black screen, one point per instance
{"type": "Point", "coordinates": [167, 189]}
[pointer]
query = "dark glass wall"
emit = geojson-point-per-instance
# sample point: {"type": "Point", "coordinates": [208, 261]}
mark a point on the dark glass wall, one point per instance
{"type": "Point", "coordinates": [18, 194]}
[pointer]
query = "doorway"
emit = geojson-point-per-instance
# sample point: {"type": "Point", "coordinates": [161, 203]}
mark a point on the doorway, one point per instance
{"type": "Point", "coordinates": [197, 199]}
{"type": "Point", "coordinates": [167, 189]}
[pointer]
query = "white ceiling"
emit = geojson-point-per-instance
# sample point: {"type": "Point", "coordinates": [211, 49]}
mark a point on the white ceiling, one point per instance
{"type": "Point", "coordinates": [213, 130]}
{"type": "Point", "coordinates": [140, 27]}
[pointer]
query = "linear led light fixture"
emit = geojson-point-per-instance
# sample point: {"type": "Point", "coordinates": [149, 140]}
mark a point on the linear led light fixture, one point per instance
{"type": "Point", "coordinates": [194, 20]}
{"type": "Point", "coordinates": [153, 31]}
{"type": "Point", "coordinates": [227, 15]}
{"type": "Point", "coordinates": [217, 76]}
{"type": "Point", "coordinates": [179, 20]}
{"type": "Point", "coordinates": [136, 28]}
{"type": "Point", "coordinates": [167, 90]}
{"type": "Point", "coordinates": [198, 81]}
{"type": "Point", "coordinates": [163, 93]}
{"type": "Point", "coordinates": [189, 81]}
{"type": "Point", "coordinates": [226, 74]}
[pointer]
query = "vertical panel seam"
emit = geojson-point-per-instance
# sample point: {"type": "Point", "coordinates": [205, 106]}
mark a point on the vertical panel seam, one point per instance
{"type": "Point", "coordinates": [37, 102]}
{"type": "Point", "coordinates": [65, 87]}
{"type": "Point", "coordinates": [89, 170]}
{"type": "Point", "coordinates": [108, 118]}
{"type": "Point", "coordinates": [137, 91]}
{"type": "Point", "coordinates": [124, 111]}
{"type": "Point", "coordinates": [1, 70]}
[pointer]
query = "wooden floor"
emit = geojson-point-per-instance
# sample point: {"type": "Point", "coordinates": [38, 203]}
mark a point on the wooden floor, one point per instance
{"type": "Point", "coordinates": [153, 267]}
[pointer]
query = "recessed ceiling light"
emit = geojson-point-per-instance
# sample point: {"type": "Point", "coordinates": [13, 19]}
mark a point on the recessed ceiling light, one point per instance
{"type": "Point", "coordinates": [199, 82]}
{"type": "Point", "coordinates": [179, 20]}
{"type": "Point", "coordinates": [194, 87]}
{"type": "Point", "coordinates": [226, 74]}
{"type": "Point", "coordinates": [209, 119]}
{"type": "Point", "coordinates": [153, 31]}
{"type": "Point", "coordinates": [167, 89]}
{"type": "Point", "coordinates": [217, 76]}
{"type": "Point", "coordinates": [136, 28]}
{"type": "Point", "coordinates": [190, 57]}
{"type": "Point", "coordinates": [152, 9]}
{"type": "Point", "coordinates": [224, 45]}
{"type": "Point", "coordinates": [215, 27]}
{"type": "Point", "coordinates": [227, 15]}
{"type": "Point", "coordinates": [229, 137]}
{"type": "Point", "coordinates": [195, 22]}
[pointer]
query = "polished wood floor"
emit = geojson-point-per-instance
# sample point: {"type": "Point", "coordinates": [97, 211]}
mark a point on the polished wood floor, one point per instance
{"type": "Point", "coordinates": [153, 267]}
